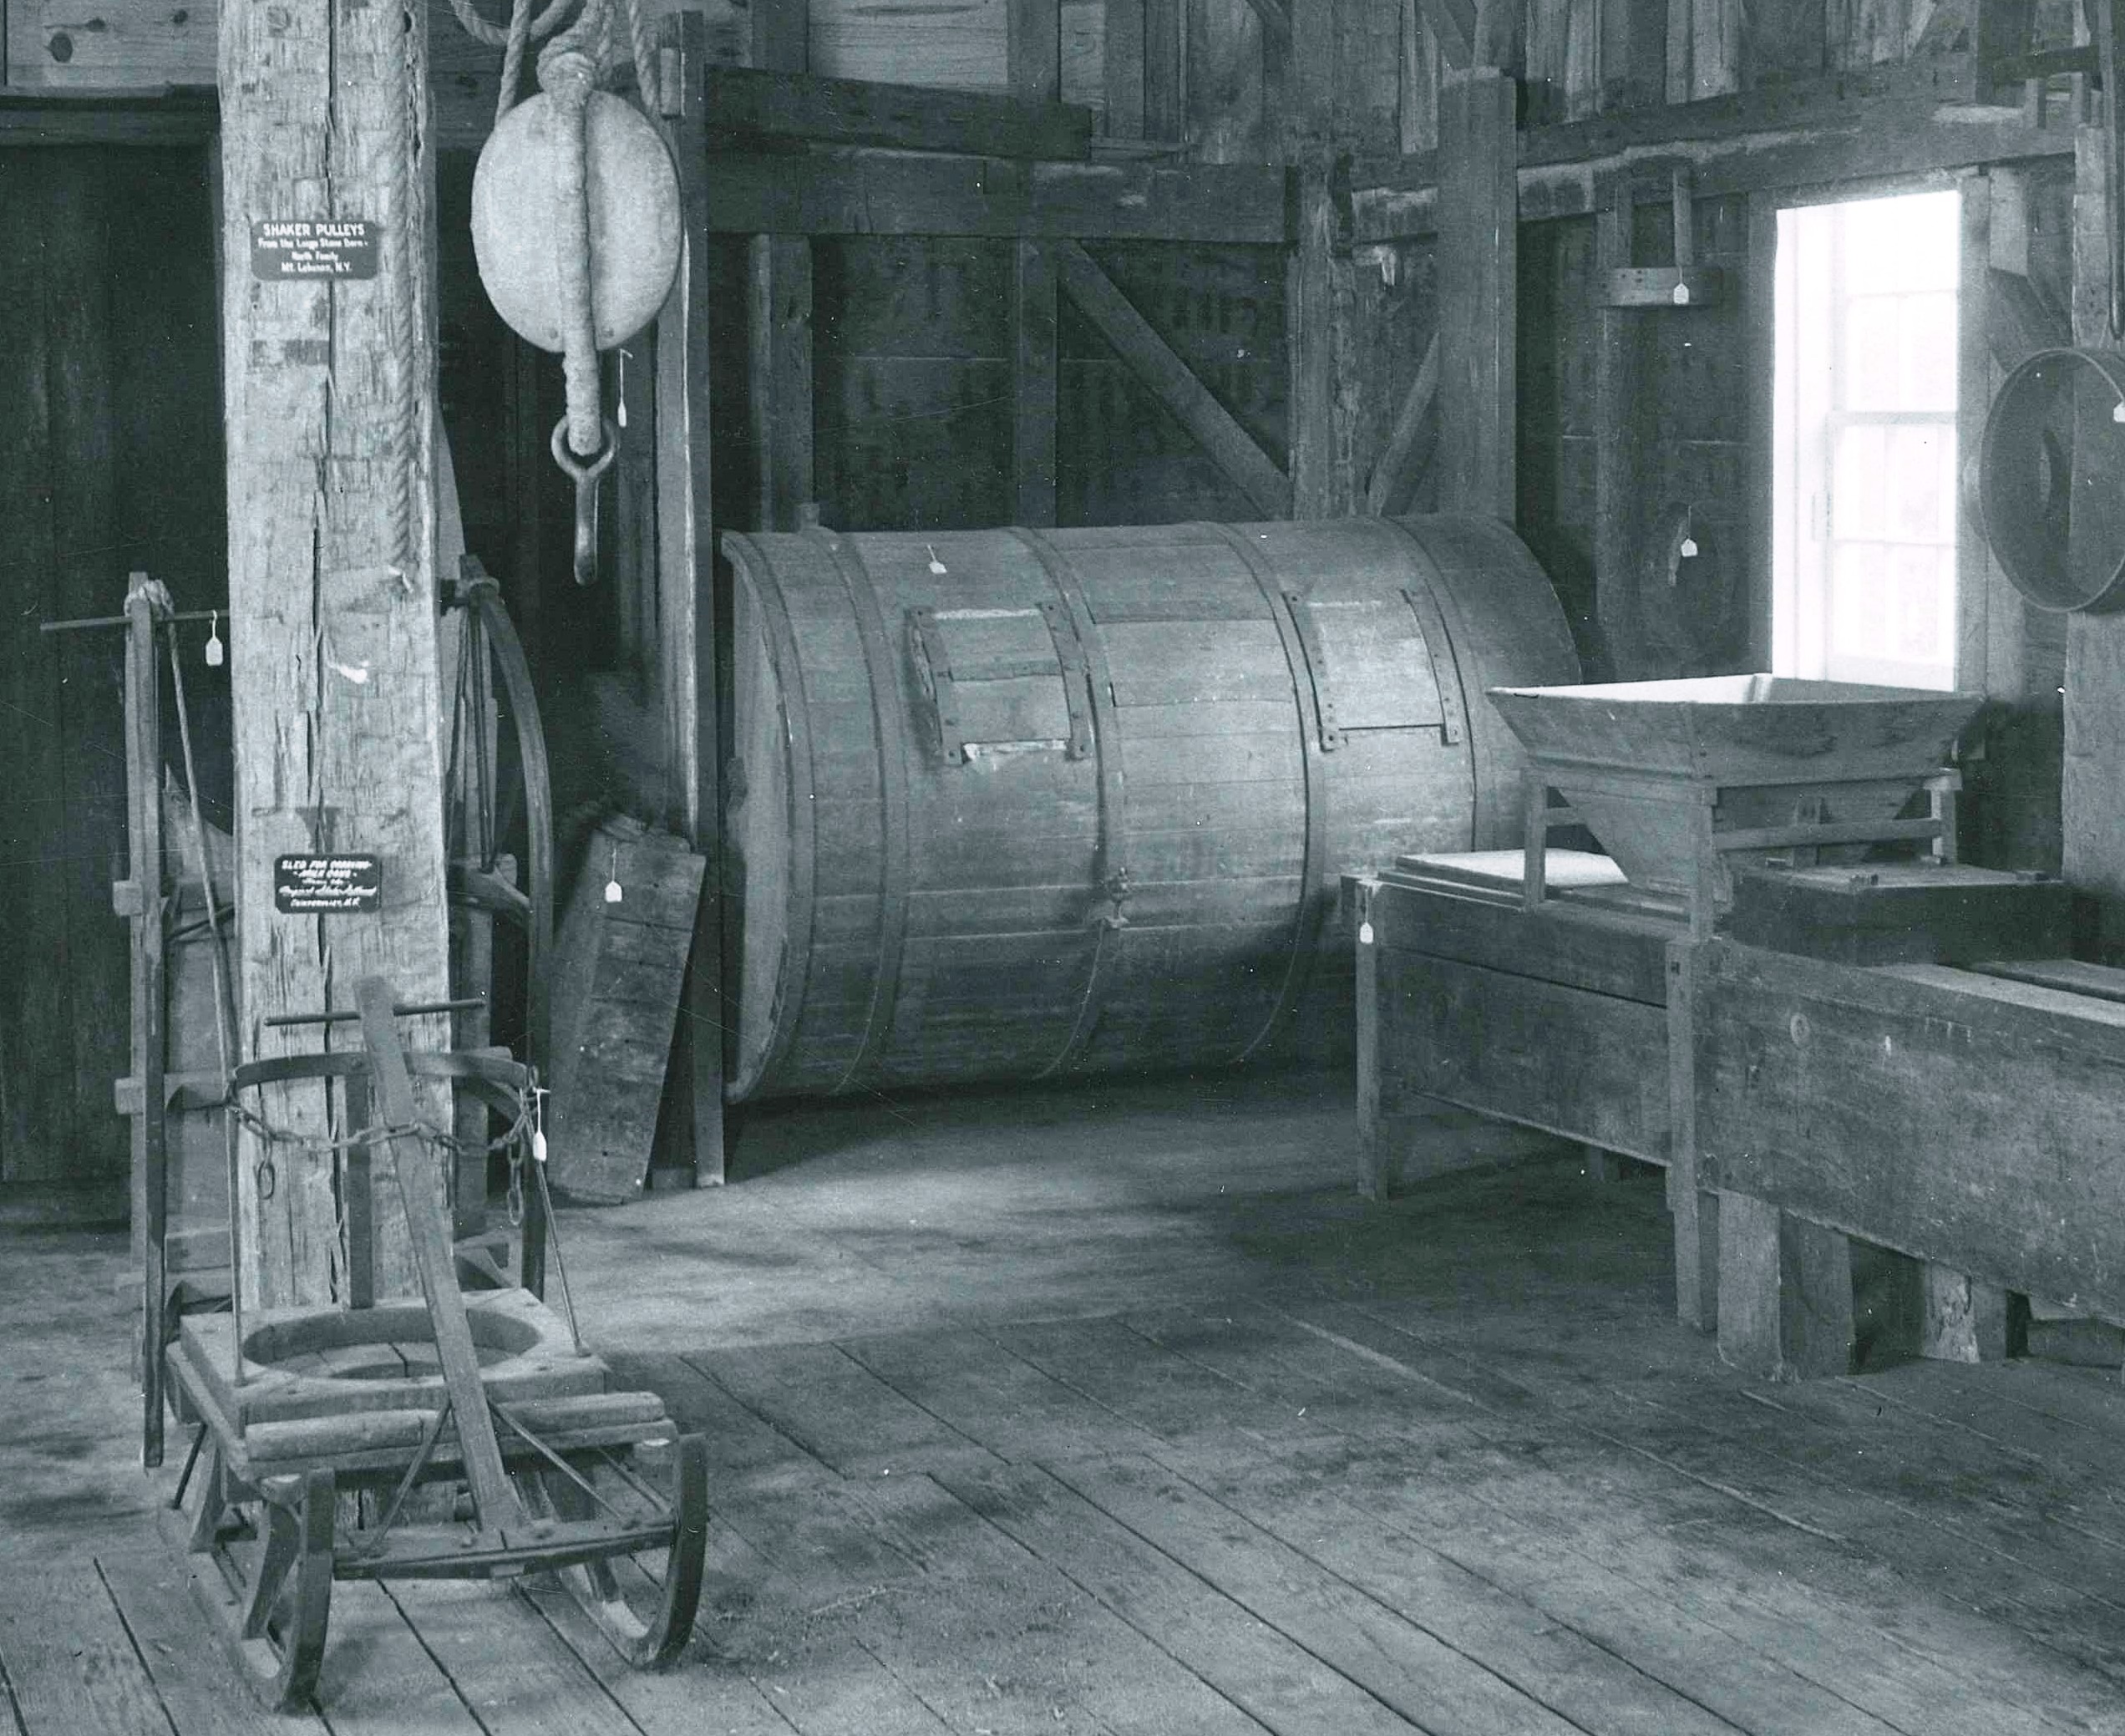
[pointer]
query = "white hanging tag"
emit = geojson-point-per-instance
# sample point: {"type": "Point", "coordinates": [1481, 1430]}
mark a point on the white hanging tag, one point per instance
{"type": "Point", "coordinates": [612, 893]}
{"type": "Point", "coordinates": [538, 1125]}
{"type": "Point", "coordinates": [623, 389]}
{"type": "Point", "coordinates": [214, 652]}
{"type": "Point", "coordinates": [1689, 549]}
{"type": "Point", "coordinates": [936, 566]}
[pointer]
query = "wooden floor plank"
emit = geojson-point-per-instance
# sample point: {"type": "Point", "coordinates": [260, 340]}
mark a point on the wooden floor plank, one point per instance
{"type": "Point", "coordinates": [1840, 1576]}
{"type": "Point", "coordinates": [742, 1446]}
{"type": "Point", "coordinates": [1549, 1660]}
{"type": "Point", "coordinates": [836, 1409]}
{"type": "Point", "coordinates": [378, 1679]}
{"type": "Point", "coordinates": [1274, 1679]}
{"type": "Point", "coordinates": [505, 1661]}
{"type": "Point", "coordinates": [1428, 1681]}
{"type": "Point", "coordinates": [703, 1696]}
{"type": "Point", "coordinates": [1660, 1631]}
{"type": "Point", "coordinates": [1170, 1396]}
{"type": "Point", "coordinates": [979, 1388]}
{"type": "Point", "coordinates": [70, 1665]}
{"type": "Point", "coordinates": [185, 1655]}
{"type": "Point", "coordinates": [998, 1641]}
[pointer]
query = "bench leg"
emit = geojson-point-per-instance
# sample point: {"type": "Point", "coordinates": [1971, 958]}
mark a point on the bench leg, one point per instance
{"type": "Point", "coordinates": [1785, 1293]}
{"type": "Point", "coordinates": [1966, 1321]}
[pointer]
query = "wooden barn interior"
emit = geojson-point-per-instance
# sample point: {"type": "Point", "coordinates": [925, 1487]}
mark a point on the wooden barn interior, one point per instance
{"type": "Point", "coordinates": [877, 866]}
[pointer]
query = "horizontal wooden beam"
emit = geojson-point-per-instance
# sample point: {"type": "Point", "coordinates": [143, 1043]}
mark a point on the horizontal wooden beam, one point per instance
{"type": "Point", "coordinates": [1882, 126]}
{"type": "Point", "coordinates": [903, 117]}
{"type": "Point", "coordinates": [859, 192]}
{"type": "Point", "coordinates": [1171, 382]}
{"type": "Point", "coordinates": [187, 114]}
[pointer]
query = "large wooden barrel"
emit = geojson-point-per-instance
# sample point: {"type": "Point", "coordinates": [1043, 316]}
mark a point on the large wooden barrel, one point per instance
{"type": "Point", "coordinates": [1017, 804]}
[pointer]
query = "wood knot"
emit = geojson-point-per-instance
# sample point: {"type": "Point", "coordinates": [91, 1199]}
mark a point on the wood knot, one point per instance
{"type": "Point", "coordinates": [61, 46]}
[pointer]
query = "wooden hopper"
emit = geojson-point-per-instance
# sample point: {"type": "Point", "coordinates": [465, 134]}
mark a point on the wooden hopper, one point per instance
{"type": "Point", "coordinates": [1676, 777]}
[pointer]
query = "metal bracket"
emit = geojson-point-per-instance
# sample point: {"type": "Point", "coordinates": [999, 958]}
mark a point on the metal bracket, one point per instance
{"type": "Point", "coordinates": [1445, 674]}
{"type": "Point", "coordinates": [1316, 664]}
{"type": "Point", "coordinates": [933, 674]}
{"type": "Point", "coordinates": [1077, 678]}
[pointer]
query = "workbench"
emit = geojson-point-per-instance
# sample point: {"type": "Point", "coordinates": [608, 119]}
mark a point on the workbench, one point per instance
{"type": "Point", "coordinates": [1896, 1055]}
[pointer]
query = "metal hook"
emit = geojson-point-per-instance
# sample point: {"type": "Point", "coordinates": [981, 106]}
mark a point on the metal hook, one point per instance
{"type": "Point", "coordinates": [585, 475]}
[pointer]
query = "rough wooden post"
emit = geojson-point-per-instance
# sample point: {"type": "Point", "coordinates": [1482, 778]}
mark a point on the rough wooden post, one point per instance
{"type": "Point", "coordinates": [1478, 208]}
{"type": "Point", "coordinates": [1320, 294]}
{"type": "Point", "coordinates": [781, 312]}
{"type": "Point", "coordinates": [331, 583]}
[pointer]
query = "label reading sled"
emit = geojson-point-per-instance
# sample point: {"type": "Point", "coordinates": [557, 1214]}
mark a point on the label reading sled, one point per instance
{"type": "Point", "coordinates": [283, 248]}
{"type": "Point", "coordinates": [327, 886]}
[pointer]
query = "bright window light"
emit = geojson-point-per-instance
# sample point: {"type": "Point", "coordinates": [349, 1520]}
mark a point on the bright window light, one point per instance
{"type": "Point", "coordinates": [1864, 442]}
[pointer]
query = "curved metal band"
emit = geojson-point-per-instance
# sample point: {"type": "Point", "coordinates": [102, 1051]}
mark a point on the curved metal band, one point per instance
{"type": "Point", "coordinates": [1312, 910]}
{"type": "Point", "coordinates": [793, 974]}
{"type": "Point", "coordinates": [474, 1066]}
{"type": "Point", "coordinates": [895, 868]}
{"type": "Point", "coordinates": [1429, 574]}
{"type": "Point", "coordinates": [1113, 815]}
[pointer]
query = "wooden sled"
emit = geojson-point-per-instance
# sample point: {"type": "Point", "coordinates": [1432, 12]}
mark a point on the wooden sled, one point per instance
{"type": "Point", "coordinates": [320, 1433]}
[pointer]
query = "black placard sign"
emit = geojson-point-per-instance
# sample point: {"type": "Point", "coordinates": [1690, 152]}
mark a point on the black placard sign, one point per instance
{"type": "Point", "coordinates": [306, 248]}
{"type": "Point", "coordinates": [327, 886]}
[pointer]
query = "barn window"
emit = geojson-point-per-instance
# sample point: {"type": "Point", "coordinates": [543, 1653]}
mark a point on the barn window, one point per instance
{"type": "Point", "coordinates": [1864, 548]}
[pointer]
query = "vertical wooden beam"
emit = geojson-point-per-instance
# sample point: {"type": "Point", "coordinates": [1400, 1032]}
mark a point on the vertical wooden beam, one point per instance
{"type": "Point", "coordinates": [1618, 507]}
{"type": "Point", "coordinates": [327, 391]}
{"type": "Point", "coordinates": [144, 894]}
{"type": "Point", "coordinates": [1379, 1156]}
{"type": "Point", "coordinates": [782, 35]}
{"type": "Point", "coordinates": [2001, 28]}
{"type": "Point", "coordinates": [1477, 254]}
{"type": "Point", "coordinates": [1033, 374]}
{"type": "Point", "coordinates": [1759, 335]}
{"type": "Point", "coordinates": [780, 309]}
{"type": "Point", "coordinates": [1966, 1321]}
{"type": "Point", "coordinates": [1123, 68]}
{"type": "Point", "coordinates": [687, 587]}
{"type": "Point", "coordinates": [2092, 794]}
{"type": "Point", "coordinates": [1634, 53]}
{"type": "Point", "coordinates": [1698, 1282]}
{"type": "Point", "coordinates": [1973, 403]}
{"type": "Point", "coordinates": [1785, 1293]}
{"type": "Point", "coordinates": [1165, 95]}
{"type": "Point", "coordinates": [781, 332]}
{"type": "Point", "coordinates": [1034, 49]}
{"type": "Point", "coordinates": [1319, 301]}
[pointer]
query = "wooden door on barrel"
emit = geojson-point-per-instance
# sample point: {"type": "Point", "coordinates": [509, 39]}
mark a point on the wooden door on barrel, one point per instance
{"type": "Point", "coordinates": [110, 462]}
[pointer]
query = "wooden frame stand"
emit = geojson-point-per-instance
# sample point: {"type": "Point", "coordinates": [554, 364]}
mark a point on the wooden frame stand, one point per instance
{"type": "Point", "coordinates": [295, 1408]}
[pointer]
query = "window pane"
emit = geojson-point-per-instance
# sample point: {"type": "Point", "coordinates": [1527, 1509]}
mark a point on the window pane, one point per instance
{"type": "Point", "coordinates": [1903, 243]}
{"type": "Point", "coordinates": [1873, 364]}
{"type": "Point", "coordinates": [1858, 488]}
{"type": "Point", "coordinates": [1926, 335]}
{"type": "Point", "coordinates": [1892, 603]}
{"type": "Point", "coordinates": [1918, 481]}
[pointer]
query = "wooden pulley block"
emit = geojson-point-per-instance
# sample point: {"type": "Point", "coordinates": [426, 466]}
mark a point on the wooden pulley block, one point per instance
{"type": "Point", "coordinates": [633, 196]}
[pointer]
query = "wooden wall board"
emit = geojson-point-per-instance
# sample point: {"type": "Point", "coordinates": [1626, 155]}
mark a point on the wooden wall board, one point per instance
{"type": "Point", "coordinates": [114, 467]}
{"type": "Point", "coordinates": [907, 117]}
{"type": "Point", "coordinates": [1121, 457]}
{"type": "Point", "coordinates": [1478, 239]}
